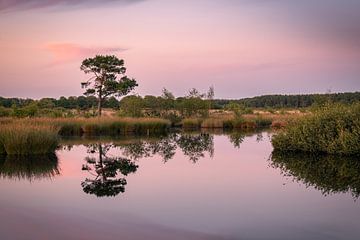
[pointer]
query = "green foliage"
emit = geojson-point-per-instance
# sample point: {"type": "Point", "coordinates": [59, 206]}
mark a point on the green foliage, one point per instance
{"type": "Point", "coordinates": [333, 129]}
{"type": "Point", "coordinates": [132, 106]}
{"type": "Point", "coordinates": [237, 109]}
{"type": "Point", "coordinates": [108, 78]}
{"type": "Point", "coordinates": [5, 112]}
{"type": "Point", "coordinates": [193, 105]}
{"type": "Point", "coordinates": [293, 101]}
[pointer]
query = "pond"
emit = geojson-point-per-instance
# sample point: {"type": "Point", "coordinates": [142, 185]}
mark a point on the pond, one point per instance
{"type": "Point", "coordinates": [181, 186]}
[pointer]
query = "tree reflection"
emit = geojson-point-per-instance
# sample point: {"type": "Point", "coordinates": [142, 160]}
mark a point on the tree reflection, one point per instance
{"type": "Point", "coordinates": [194, 146]}
{"type": "Point", "coordinates": [108, 171]}
{"type": "Point", "coordinates": [238, 137]}
{"type": "Point", "coordinates": [36, 167]}
{"type": "Point", "coordinates": [327, 173]}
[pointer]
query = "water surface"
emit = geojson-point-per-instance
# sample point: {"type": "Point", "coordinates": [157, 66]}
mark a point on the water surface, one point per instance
{"type": "Point", "coordinates": [184, 186]}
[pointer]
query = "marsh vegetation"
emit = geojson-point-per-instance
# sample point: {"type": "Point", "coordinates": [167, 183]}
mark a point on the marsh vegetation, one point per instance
{"type": "Point", "coordinates": [331, 129]}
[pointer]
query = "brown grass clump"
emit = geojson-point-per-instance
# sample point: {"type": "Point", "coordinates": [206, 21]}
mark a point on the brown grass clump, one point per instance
{"type": "Point", "coordinates": [25, 139]}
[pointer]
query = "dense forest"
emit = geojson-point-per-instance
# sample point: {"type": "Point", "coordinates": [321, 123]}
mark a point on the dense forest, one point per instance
{"type": "Point", "coordinates": [293, 101]}
{"type": "Point", "coordinates": [266, 101]}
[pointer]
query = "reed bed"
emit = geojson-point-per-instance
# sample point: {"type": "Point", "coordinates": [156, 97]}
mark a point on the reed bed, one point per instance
{"type": "Point", "coordinates": [99, 126]}
{"type": "Point", "coordinates": [27, 139]}
{"type": "Point", "coordinates": [227, 123]}
{"type": "Point", "coordinates": [191, 123]}
{"type": "Point", "coordinates": [125, 126]}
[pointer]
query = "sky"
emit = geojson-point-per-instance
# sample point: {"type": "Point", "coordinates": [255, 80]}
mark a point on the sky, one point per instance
{"type": "Point", "coordinates": [242, 48]}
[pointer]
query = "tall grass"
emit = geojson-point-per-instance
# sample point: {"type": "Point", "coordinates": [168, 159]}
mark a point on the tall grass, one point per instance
{"type": "Point", "coordinates": [191, 123]}
{"type": "Point", "coordinates": [334, 129]}
{"type": "Point", "coordinates": [101, 126]}
{"type": "Point", "coordinates": [26, 139]}
{"type": "Point", "coordinates": [125, 126]}
{"type": "Point", "coordinates": [248, 123]}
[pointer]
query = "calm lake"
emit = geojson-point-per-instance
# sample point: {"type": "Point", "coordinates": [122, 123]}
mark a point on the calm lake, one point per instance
{"type": "Point", "coordinates": [183, 186]}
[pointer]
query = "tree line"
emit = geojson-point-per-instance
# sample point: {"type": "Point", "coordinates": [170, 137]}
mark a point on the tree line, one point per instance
{"type": "Point", "coordinates": [168, 101]}
{"type": "Point", "coordinates": [292, 101]}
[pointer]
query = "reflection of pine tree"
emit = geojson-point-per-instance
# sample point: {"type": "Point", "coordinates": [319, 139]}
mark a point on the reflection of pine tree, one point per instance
{"type": "Point", "coordinates": [106, 171]}
{"type": "Point", "coordinates": [193, 146]}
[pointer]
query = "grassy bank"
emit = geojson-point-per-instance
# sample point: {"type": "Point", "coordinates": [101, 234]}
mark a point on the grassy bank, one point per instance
{"type": "Point", "coordinates": [40, 135]}
{"type": "Point", "coordinates": [245, 122]}
{"type": "Point", "coordinates": [333, 129]}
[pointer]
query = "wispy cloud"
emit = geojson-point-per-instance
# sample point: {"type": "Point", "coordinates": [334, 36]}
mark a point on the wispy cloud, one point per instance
{"type": "Point", "coordinates": [14, 5]}
{"type": "Point", "coordinates": [68, 52]}
{"type": "Point", "coordinates": [334, 20]}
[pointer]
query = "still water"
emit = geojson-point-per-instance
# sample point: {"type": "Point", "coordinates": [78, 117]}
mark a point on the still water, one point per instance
{"type": "Point", "coordinates": [183, 186]}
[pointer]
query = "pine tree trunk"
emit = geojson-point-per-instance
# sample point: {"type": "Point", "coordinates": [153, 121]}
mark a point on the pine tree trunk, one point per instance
{"type": "Point", "coordinates": [100, 106]}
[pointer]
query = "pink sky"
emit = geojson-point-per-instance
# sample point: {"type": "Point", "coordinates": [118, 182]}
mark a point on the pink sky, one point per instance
{"type": "Point", "coordinates": [242, 48]}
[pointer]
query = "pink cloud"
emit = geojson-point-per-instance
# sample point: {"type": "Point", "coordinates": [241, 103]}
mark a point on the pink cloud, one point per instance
{"type": "Point", "coordinates": [69, 52]}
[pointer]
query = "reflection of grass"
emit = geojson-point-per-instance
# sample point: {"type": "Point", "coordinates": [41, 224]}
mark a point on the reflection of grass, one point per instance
{"type": "Point", "coordinates": [334, 129]}
{"type": "Point", "coordinates": [29, 167]}
{"type": "Point", "coordinates": [327, 173]}
{"type": "Point", "coordinates": [25, 139]}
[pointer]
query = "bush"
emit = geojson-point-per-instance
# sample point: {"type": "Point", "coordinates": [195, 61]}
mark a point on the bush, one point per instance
{"type": "Point", "coordinates": [333, 129]}
{"type": "Point", "coordinates": [5, 112]}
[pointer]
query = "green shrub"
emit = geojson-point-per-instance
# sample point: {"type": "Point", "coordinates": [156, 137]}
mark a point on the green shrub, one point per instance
{"type": "Point", "coordinates": [5, 112]}
{"type": "Point", "coordinates": [333, 129]}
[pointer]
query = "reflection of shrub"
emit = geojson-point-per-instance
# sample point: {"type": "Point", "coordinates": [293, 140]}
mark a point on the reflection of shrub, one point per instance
{"type": "Point", "coordinates": [327, 173]}
{"type": "Point", "coordinates": [333, 129]}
